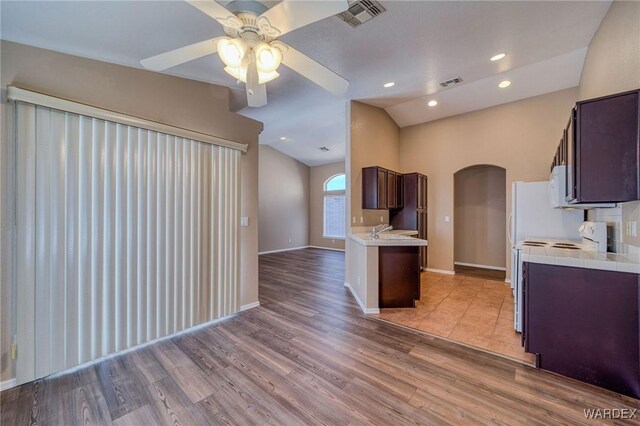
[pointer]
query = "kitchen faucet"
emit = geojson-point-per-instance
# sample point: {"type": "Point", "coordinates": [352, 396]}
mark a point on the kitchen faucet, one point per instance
{"type": "Point", "coordinates": [377, 230]}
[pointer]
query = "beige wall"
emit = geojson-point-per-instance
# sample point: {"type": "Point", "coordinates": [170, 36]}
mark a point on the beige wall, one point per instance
{"type": "Point", "coordinates": [520, 137]}
{"type": "Point", "coordinates": [612, 65]}
{"type": "Point", "coordinates": [479, 217]}
{"type": "Point", "coordinates": [374, 141]}
{"type": "Point", "coordinates": [319, 175]}
{"type": "Point", "coordinates": [284, 201]}
{"type": "Point", "coordinates": [184, 103]}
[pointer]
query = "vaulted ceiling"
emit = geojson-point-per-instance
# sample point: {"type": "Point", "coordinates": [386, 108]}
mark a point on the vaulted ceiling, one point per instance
{"type": "Point", "coordinates": [416, 44]}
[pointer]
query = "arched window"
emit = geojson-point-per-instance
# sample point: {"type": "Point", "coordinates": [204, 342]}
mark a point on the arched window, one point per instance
{"type": "Point", "coordinates": [334, 207]}
{"type": "Point", "coordinates": [336, 183]}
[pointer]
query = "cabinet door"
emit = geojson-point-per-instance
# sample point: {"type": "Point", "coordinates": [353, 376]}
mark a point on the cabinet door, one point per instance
{"type": "Point", "coordinates": [422, 234]}
{"type": "Point", "coordinates": [607, 149]}
{"type": "Point", "coordinates": [570, 140]}
{"type": "Point", "coordinates": [370, 188]}
{"type": "Point", "coordinates": [391, 190]}
{"type": "Point", "coordinates": [419, 197]}
{"type": "Point", "coordinates": [424, 193]}
{"type": "Point", "coordinates": [584, 324]}
{"type": "Point", "coordinates": [399, 191]}
{"type": "Point", "coordinates": [382, 188]}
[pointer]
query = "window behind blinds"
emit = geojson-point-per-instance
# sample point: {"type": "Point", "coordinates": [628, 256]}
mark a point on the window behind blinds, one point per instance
{"type": "Point", "coordinates": [334, 216]}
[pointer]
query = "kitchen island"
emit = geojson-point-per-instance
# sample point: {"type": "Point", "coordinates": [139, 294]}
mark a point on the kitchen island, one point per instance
{"type": "Point", "coordinates": [384, 272]}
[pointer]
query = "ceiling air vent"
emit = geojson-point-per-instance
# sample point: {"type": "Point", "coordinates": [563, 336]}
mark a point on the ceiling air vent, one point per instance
{"type": "Point", "coordinates": [451, 82]}
{"type": "Point", "coordinates": [323, 148]}
{"type": "Point", "coordinates": [361, 11]}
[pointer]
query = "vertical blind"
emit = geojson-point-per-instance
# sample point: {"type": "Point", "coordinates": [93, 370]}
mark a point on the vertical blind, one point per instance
{"type": "Point", "coordinates": [125, 235]}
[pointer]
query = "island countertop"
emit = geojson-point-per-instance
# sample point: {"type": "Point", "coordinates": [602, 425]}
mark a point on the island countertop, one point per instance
{"type": "Point", "coordinates": [387, 239]}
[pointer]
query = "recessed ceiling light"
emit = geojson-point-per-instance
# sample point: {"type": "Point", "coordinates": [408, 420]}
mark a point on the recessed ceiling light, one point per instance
{"type": "Point", "coordinates": [432, 103]}
{"type": "Point", "coordinates": [504, 84]}
{"type": "Point", "coordinates": [389, 84]}
{"type": "Point", "coordinates": [283, 138]}
{"type": "Point", "coordinates": [498, 56]}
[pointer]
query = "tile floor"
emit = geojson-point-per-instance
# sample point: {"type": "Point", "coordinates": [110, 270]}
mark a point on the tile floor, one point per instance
{"type": "Point", "coordinates": [474, 311]}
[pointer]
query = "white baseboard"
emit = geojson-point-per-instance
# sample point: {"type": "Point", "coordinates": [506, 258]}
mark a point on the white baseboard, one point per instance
{"type": "Point", "coordinates": [362, 307]}
{"type": "Point", "coordinates": [249, 306]}
{"type": "Point", "coordinates": [7, 384]}
{"type": "Point", "coordinates": [473, 265]}
{"type": "Point", "coordinates": [441, 271]}
{"type": "Point", "coordinates": [507, 280]}
{"type": "Point", "coordinates": [281, 250]}
{"type": "Point", "coordinates": [326, 248]}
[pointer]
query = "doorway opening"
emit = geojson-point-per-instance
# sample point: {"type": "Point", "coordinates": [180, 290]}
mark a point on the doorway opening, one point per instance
{"type": "Point", "coordinates": [480, 222]}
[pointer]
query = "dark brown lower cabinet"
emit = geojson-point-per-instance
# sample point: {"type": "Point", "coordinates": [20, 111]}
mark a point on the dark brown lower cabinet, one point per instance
{"type": "Point", "coordinates": [584, 323]}
{"type": "Point", "coordinates": [398, 276]}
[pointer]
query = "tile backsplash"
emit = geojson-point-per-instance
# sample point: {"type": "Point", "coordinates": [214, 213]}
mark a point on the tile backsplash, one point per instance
{"type": "Point", "coordinates": [613, 218]}
{"type": "Point", "coordinates": [618, 240]}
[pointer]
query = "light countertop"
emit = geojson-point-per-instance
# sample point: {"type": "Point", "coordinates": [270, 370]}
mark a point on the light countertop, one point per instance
{"type": "Point", "coordinates": [401, 232]}
{"type": "Point", "coordinates": [581, 259]}
{"type": "Point", "coordinates": [393, 238]}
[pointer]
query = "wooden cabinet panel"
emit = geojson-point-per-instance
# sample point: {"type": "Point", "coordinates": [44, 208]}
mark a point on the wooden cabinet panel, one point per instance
{"type": "Point", "coordinates": [392, 201]}
{"type": "Point", "coordinates": [382, 189]}
{"type": "Point", "coordinates": [411, 216]}
{"type": "Point", "coordinates": [399, 276]}
{"type": "Point", "coordinates": [399, 191]}
{"type": "Point", "coordinates": [584, 324]}
{"type": "Point", "coordinates": [601, 149]}
{"type": "Point", "coordinates": [607, 149]}
{"type": "Point", "coordinates": [374, 188]}
{"type": "Point", "coordinates": [424, 192]}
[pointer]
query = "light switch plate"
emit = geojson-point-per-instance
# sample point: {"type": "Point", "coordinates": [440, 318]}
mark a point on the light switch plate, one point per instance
{"type": "Point", "coordinates": [244, 221]}
{"type": "Point", "coordinates": [447, 219]}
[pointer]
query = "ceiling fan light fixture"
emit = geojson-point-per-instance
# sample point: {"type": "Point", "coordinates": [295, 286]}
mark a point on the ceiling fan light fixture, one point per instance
{"type": "Point", "coordinates": [239, 73]}
{"type": "Point", "coordinates": [268, 58]}
{"type": "Point", "coordinates": [232, 51]}
{"type": "Point", "coordinates": [265, 77]}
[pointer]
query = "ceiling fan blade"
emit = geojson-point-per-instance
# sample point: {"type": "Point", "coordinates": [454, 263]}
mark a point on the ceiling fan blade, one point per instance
{"type": "Point", "coordinates": [256, 92]}
{"type": "Point", "coordinates": [289, 15]}
{"type": "Point", "coordinates": [319, 74]}
{"type": "Point", "coordinates": [218, 12]}
{"type": "Point", "coordinates": [179, 56]}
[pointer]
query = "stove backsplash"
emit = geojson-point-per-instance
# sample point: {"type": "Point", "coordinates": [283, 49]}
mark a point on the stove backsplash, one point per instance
{"type": "Point", "coordinates": [615, 217]}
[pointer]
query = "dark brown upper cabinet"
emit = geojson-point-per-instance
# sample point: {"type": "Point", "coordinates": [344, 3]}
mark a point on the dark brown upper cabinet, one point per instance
{"type": "Point", "coordinates": [414, 212]}
{"type": "Point", "coordinates": [380, 189]}
{"type": "Point", "coordinates": [601, 147]}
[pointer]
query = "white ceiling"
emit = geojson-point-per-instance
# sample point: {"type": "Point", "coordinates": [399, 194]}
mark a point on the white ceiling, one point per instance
{"type": "Point", "coordinates": [417, 44]}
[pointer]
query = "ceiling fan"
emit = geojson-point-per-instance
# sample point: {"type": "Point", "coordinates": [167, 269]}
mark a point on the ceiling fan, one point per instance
{"type": "Point", "coordinates": [251, 50]}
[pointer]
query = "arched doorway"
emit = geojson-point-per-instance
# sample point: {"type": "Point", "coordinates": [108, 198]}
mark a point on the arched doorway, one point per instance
{"type": "Point", "coordinates": [480, 221]}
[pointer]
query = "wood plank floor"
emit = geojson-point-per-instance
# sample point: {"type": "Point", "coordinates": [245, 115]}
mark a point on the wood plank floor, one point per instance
{"type": "Point", "coordinates": [307, 355]}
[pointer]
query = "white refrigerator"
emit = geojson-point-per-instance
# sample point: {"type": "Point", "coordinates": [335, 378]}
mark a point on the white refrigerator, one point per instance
{"type": "Point", "coordinates": [533, 217]}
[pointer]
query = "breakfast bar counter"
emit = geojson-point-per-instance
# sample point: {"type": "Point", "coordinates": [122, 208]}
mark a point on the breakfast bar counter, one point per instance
{"type": "Point", "coordinates": [384, 272]}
